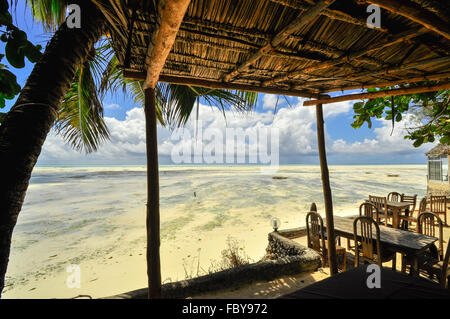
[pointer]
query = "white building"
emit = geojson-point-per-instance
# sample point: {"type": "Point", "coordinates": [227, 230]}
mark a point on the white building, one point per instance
{"type": "Point", "coordinates": [437, 179]}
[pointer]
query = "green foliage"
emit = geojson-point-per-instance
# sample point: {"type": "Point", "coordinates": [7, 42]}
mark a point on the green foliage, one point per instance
{"type": "Point", "coordinates": [430, 110]}
{"type": "Point", "coordinates": [80, 119]}
{"type": "Point", "coordinates": [17, 47]}
{"type": "Point", "coordinates": [51, 13]}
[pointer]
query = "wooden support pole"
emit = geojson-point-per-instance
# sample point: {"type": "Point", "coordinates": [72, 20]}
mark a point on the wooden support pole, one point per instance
{"type": "Point", "coordinates": [152, 220]}
{"type": "Point", "coordinates": [416, 13]}
{"type": "Point", "coordinates": [174, 11]}
{"type": "Point", "coordinates": [328, 200]}
{"type": "Point", "coordinates": [371, 95]}
{"type": "Point", "coordinates": [139, 76]}
{"type": "Point", "coordinates": [302, 20]}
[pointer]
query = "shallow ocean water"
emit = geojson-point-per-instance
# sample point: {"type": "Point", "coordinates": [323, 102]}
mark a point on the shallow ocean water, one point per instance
{"type": "Point", "coordinates": [92, 215]}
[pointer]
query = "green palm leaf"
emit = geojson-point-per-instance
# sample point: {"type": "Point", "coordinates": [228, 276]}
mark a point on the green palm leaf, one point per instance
{"type": "Point", "coordinates": [51, 13]}
{"type": "Point", "coordinates": [80, 119]}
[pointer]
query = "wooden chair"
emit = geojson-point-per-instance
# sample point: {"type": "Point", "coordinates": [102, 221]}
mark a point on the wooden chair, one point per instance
{"type": "Point", "coordinates": [409, 215]}
{"type": "Point", "coordinates": [369, 210]}
{"type": "Point", "coordinates": [445, 271]}
{"type": "Point", "coordinates": [438, 206]}
{"type": "Point", "coordinates": [381, 205]}
{"type": "Point", "coordinates": [367, 243]}
{"type": "Point", "coordinates": [412, 200]}
{"type": "Point", "coordinates": [394, 197]}
{"type": "Point", "coordinates": [316, 239]}
{"type": "Point", "coordinates": [431, 225]}
{"type": "Point", "coordinates": [423, 205]}
{"type": "Point", "coordinates": [440, 269]}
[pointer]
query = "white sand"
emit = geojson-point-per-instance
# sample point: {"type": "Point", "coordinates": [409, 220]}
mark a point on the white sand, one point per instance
{"type": "Point", "coordinates": [95, 218]}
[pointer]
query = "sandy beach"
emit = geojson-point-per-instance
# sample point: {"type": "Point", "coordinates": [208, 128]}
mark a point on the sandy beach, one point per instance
{"type": "Point", "coordinates": [94, 217]}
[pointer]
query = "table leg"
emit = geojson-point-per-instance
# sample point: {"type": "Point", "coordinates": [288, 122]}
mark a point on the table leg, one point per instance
{"type": "Point", "coordinates": [415, 266]}
{"type": "Point", "coordinates": [395, 217]}
{"type": "Point", "coordinates": [405, 223]}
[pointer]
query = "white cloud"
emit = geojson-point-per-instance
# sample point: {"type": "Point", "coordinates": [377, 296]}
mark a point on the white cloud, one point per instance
{"type": "Point", "coordinates": [297, 135]}
{"type": "Point", "coordinates": [270, 100]}
{"type": "Point", "coordinates": [388, 140]}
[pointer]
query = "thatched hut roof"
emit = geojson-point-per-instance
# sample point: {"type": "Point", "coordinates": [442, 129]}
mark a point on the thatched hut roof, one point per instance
{"type": "Point", "coordinates": [220, 41]}
{"type": "Point", "coordinates": [440, 149]}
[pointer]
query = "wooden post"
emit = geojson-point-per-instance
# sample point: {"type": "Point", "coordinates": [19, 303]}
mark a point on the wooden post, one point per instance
{"type": "Point", "coordinates": [326, 191]}
{"type": "Point", "coordinates": [152, 221]}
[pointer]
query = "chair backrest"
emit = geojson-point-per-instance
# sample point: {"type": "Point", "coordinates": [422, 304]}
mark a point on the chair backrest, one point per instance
{"type": "Point", "coordinates": [412, 200]}
{"type": "Point", "coordinates": [445, 265]}
{"type": "Point", "coordinates": [438, 204]}
{"type": "Point", "coordinates": [366, 242]}
{"type": "Point", "coordinates": [315, 232]}
{"type": "Point", "coordinates": [369, 210]}
{"type": "Point", "coordinates": [423, 205]}
{"type": "Point", "coordinates": [379, 202]}
{"type": "Point", "coordinates": [431, 225]}
{"type": "Point", "coordinates": [394, 197]}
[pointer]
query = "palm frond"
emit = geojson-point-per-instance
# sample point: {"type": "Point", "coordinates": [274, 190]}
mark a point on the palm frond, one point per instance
{"type": "Point", "coordinates": [177, 101]}
{"type": "Point", "coordinates": [51, 13]}
{"type": "Point", "coordinates": [80, 120]}
{"type": "Point", "coordinates": [113, 81]}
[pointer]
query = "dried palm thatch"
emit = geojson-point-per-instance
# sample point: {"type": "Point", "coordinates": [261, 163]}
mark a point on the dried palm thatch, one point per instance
{"type": "Point", "coordinates": [294, 47]}
{"type": "Point", "coordinates": [438, 150]}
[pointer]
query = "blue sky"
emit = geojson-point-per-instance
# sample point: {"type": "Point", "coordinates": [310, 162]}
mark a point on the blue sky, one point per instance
{"type": "Point", "coordinates": [296, 124]}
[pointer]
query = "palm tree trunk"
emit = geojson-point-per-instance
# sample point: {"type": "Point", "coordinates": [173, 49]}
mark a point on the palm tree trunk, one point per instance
{"type": "Point", "coordinates": [153, 240]}
{"type": "Point", "coordinates": [25, 127]}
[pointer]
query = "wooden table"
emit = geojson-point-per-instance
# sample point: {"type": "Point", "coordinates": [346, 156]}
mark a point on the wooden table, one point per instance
{"type": "Point", "coordinates": [405, 242]}
{"type": "Point", "coordinates": [396, 208]}
{"type": "Point", "coordinates": [352, 284]}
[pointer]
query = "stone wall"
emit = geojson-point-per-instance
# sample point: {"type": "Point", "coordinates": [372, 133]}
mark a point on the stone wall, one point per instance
{"type": "Point", "coordinates": [284, 257]}
{"type": "Point", "coordinates": [280, 245]}
{"type": "Point", "coordinates": [438, 188]}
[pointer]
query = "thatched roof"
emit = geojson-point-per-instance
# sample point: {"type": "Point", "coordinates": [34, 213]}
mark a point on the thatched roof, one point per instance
{"type": "Point", "coordinates": [440, 149]}
{"type": "Point", "coordinates": [239, 42]}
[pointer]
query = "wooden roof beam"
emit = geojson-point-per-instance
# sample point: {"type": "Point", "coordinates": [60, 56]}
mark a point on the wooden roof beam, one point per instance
{"type": "Point", "coordinates": [393, 69]}
{"type": "Point", "coordinates": [416, 13]}
{"type": "Point", "coordinates": [302, 20]}
{"type": "Point", "coordinates": [187, 80]}
{"type": "Point", "coordinates": [391, 83]}
{"type": "Point", "coordinates": [307, 46]}
{"type": "Point", "coordinates": [401, 37]}
{"type": "Point", "coordinates": [372, 95]}
{"type": "Point", "coordinates": [172, 13]}
{"type": "Point", "coordinates": [390, 70]}
{"type": "Point", "coordinates": [332, 14]}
